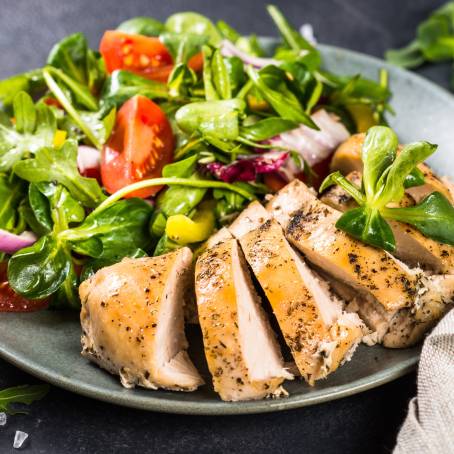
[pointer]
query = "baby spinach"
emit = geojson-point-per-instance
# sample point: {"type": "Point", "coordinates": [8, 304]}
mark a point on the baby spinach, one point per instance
{"type": "Point", "coordinates": [216, 77]}
{"type": "Point", "coordinates": [194, 23]}
{"type": "Point", "coordinates": [31, 82]}
{"type": "Point", "coordinates": [39, 270]}
{"type": "Point", "coordinates": [271, 83]}
{"type": "Point", "coordinates": [142, 25]}
{"type": "Point", "coordinates": [384, 180]}
{"type": "Point", "coordinates": [12, 191]}
{"type": "Point", "coordinates": [78, 62]}
{"type": "Point", "coordinates": [60, 165]}
{"type": "Point", "coordinates": [34, 129]}
{"type": "Point", "coordinates": [122, 85]}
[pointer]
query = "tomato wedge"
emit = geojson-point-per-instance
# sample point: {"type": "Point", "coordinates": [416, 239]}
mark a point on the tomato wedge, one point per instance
{"type": "Point", "coordinates": [11, 301]}
{"type": "Point", "coordinates": [140, 146]}
{"type": "Point", "coordinates": [142, 55]}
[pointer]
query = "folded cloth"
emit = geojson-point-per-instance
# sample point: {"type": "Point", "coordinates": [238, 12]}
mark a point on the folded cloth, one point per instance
{"type": "Point", "coordinates": [429, 427]}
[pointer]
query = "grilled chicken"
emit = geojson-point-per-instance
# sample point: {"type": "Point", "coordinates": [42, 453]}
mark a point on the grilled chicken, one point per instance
{"type": "Point", "coordinates": [385, 285]}
{"type": "Point", "coordinates": [240, 347]}
{"type": "Point", "coordinates": [347, 158]}
{"type": "Point", "coordinates": [319, 334]}
{"type": "Point", "coordinates": [412, 246]}
{"type": "Point", "coordinates": [132, 321]}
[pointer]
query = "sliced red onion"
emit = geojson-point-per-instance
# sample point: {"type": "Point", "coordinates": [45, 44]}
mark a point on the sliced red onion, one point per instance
{"type": "Point", "coordinates": [88, 158]}
{"type": "Point", "coordinates": [312, 145]}
{"type": "Point", "coordinates": [11, 243]}
{"type": "Point", "coordinates": [247, 168]}
{"type": "Point", "coordinates": [228, 49]}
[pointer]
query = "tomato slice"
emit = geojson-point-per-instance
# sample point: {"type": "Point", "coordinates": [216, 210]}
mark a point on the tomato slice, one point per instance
{"type": "Point", "coordinates": [142, 55]}
{"type": "Point", "coordinates": [140, 146]}
{"type": "Point", "coordinates": [11, 301]}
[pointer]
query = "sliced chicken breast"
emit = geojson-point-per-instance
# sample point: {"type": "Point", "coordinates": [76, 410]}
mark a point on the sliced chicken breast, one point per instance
{"type": "Point", "coordinates": [132, 321]}
{"type": "Point", "coordinates": [347, 158]}
{"type": "Point", "coordinates": [311, 229]}
{"type": "Point", "coordinates": [241, 349]}
{"type": "Point", "coordinates": [412, 247]}
{"type": "Point", "coordinates": [318, 333]}
{"type": "Point", "coordinates": [388, 292]}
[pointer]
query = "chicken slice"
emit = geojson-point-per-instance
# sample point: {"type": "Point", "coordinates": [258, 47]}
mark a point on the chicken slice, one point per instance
{"type": "Point", "coordinates": [319, 334]}
{"type": "Point", "coordinates": [347, 158]}
{"type": "Point", "coordinates": [132, 321]}
{"type": "Point", "coordinates": [387, 290]}
{"type": "Point", "coordinates": [311, 228]}
{"type": "Point", "coordinates": [240, 347]}
{"type": "Point", "coordinates": [412, 247]}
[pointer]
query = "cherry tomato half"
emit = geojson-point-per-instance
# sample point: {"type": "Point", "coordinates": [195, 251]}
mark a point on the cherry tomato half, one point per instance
{"type": "Point", "coordinates": [141, 144]}
{"type": "Point", "coordinates": [142, 55]}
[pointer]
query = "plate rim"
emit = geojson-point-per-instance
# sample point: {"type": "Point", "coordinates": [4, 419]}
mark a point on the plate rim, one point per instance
{"type": "Point", "coordinates": [151, 403]}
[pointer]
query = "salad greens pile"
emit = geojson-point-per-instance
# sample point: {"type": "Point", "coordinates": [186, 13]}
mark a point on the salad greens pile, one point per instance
{"type": "Point", "coordinates": [434, 41]}
{"type": "Point", "coordinates": [224, 99]}
{"type": "Point", "coordinates": [385, 177]}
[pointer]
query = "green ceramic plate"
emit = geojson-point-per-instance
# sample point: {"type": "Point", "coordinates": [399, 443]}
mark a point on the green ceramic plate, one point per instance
{"type": "Point", "coordinates": [47, 344]}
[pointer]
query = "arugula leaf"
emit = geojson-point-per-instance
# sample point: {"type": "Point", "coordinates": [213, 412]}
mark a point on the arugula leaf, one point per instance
{"type": "Point", "coordinates": [94, 125]}
{"type": "Point", "coordinates": [215, 75]}
{"type": "Point", "coordinates": [35, 128]}
{"type": "Point", "coordinates": [61, 165]}
{"type": "Point", "coordinates": [24, 394]}
{"type": "Point", "coordinates": [142, 25]}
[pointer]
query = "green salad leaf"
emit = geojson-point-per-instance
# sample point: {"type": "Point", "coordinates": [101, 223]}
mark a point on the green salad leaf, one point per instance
{"type": "Point", "coordinates": [24, 394]}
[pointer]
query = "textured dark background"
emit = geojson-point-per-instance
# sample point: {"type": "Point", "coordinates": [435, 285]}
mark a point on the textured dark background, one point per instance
{"type": "Point", "coordinates": [66, 423]}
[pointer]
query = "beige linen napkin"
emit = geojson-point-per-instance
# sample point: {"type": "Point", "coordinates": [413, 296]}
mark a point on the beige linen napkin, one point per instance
{"type": "Point", "coordinates": [429, 427]}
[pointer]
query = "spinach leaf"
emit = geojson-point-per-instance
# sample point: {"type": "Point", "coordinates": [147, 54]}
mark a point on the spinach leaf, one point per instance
{"type": "Point", "coordinates": [40, 207]}
{"type": "Point", "coordinates": [142, 26]}
{"type": "Point", "coordinates": [38, 271]}
{"type": "Point", "coordinates": [194, 23]}
{"type": "Point", "coordinates": [267, 128]}
{"type": "Point", "coordinates": [24, 394]}
{"type": "Point", "coordinates": [73, 57]}
{"type": "Point", "coordinates": [122, 85]}
{"type": "Point", "coordinates": [183, 46]}
{"type": "Point", "coordinates": [271, 84]}
{"type": "Point", "coordinates": [35, 128]}
{"type": "Point", "coordinates": [60, 165]}
{"type": "Point", "coordinates": [122, 223]}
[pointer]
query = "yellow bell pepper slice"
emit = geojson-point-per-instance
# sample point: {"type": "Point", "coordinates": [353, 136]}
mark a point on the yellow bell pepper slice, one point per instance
{"type": "Point", "coordinates": [184, 230]}
{"type": "Point", "coordinates": [59, 138]}
{"type": "Point", "coordinates": [363, 116]}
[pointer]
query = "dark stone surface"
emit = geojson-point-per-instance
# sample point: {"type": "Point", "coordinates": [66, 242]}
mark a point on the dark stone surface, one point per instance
{"type": "Point", "coordinates": [68, 423]}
